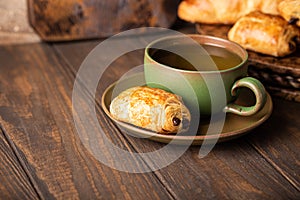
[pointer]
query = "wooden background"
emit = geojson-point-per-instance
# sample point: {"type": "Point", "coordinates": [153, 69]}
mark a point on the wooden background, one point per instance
{"type": "Point", "coordinates": [56, 20]}
{"type": "Point", "coordinates": [24, 21]}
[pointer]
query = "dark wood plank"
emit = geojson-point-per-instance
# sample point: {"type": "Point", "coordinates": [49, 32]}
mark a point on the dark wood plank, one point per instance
{"type": "Point", "coordinates": [37, 115]}
{"type": "Point", "coordinates": [15, 183]}
{"type": "Point", "coordinates": [278, 140]}
{"type": "Point", "coordinates": [231, 171]}
{"type": "Point", "coordinates": [241, 169]}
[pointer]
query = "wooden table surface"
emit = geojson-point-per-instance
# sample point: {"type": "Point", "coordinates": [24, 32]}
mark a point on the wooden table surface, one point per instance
{"type": "Point", "coordinates": [42, 156]}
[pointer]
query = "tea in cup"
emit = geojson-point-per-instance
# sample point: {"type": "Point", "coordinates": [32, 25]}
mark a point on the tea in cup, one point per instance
{"type": "Point", "coordinates": [205, 71]}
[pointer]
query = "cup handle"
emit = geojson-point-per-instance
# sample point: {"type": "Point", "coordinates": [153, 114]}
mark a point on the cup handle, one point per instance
{"type": "Point", "coordinates": [260, 94]}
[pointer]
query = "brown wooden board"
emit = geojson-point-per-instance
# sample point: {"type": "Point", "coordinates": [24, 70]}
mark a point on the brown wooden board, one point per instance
{"type": "Point", "coordinates": [239, 169]}
{"type": "Point", "coordinates": [281, 76]}
{"type": "Point", "coordinates": [38, 135]}
{"type": "Point", "coordinates": [36, 112]}
{"type": "Point", "coordinates": [56, 20]}
{"type": "Point", "coordinates": [273, 143]}
{"type": "Point", "coordinates": [10, 168]}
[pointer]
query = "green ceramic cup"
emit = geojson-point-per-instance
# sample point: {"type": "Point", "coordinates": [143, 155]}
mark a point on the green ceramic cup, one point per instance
{"type": "Point", "coordinates": [207, 75]}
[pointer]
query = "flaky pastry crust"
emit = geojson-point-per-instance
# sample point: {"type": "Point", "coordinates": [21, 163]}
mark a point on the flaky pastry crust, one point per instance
{"type": "Point", "coordinates": [151, 108]}
{"type": "Point", "coordinates": [223, 11]}
{"type": "Point", "coordinates": [290, 11]}
{"type": "Point", "coordinates": [265, 33]}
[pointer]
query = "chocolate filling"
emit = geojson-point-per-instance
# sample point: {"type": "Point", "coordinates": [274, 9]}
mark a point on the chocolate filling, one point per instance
{"type": "Point", "coordinates": [293, 20]}
{"type": "Point", "coordinates": [176, 121]}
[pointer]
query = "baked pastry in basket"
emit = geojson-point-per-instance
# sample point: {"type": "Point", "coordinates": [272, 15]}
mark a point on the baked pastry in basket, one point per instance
{"type": "Point", "coordinates": [265, 33]}
{"type": "Point", "coordinates": [151, 108]}
{"type": "Point", "coordinates": [290, 11]}
{"type": "Point", "coordinates": [223, 11]}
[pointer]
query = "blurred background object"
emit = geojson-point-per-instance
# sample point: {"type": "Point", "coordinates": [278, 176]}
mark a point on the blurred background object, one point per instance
{"type": "Point", "coordinates": [57, 20]}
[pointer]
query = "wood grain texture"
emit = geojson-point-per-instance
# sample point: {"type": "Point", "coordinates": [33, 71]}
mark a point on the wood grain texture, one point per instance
{"type": "Point", "coordinates": [15, 183]}
{"type": "Point", "coordinates": [282, 140]}
{"type": "Point", "coordinates": [57, 20]}
{"type": "Point", "coordinates": [246, 168]}
{"type": "Point", "coordinates": [35, 110]}
{"type": "Point", "coordinates": [43, 157]}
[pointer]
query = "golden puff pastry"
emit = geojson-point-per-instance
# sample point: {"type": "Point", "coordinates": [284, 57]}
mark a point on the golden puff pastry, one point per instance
{"type": "Point", "coordinates": [265, 33]}
{"type": "Point", "coordinates": [223, 11]}
{"type": "Point", "coordinates": [151, 108]}
{"type": "Point", "coordinates": [290, 11]}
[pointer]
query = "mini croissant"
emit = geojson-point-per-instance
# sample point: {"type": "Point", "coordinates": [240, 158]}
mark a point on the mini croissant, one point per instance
{"type": "Point", "coordinates": [223, 11]}
{"type": "Point", "coordinates": [151, 108]}
{"type": "Point", "coordinates": [265, 33]}
{"type": "Point", "coordinates": [290, 11]}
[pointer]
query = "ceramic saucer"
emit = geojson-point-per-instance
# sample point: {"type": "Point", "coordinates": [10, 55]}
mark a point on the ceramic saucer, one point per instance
{"type": "Point", "coordinates": [234, 126]}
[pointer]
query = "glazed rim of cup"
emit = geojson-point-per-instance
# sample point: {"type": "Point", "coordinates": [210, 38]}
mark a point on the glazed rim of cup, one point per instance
{"type": "Point", "coordinates": [207, 40]}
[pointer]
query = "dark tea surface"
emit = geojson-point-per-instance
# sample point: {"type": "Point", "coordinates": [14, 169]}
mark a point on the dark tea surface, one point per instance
{"type": "Point", "coordinates": [195, 58]}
